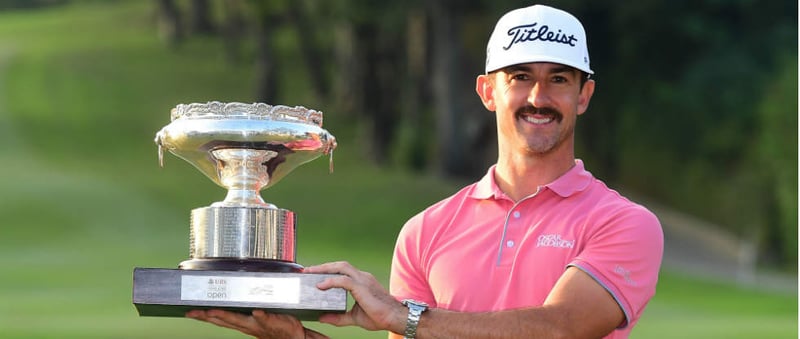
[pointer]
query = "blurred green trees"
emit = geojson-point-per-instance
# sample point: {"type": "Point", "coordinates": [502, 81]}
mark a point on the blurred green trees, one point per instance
{"type": "Point", "coordinates": [696, 103]}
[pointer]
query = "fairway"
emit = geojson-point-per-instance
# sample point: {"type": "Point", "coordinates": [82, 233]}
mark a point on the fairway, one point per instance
{"type": "Point", "coordinates": [83, 90]}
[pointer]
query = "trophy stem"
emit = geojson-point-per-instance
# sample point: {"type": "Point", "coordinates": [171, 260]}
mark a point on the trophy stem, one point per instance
{"type": "Point", "coordinates": [243, 198]}
{"type": "Point", "coordinates": [244, 173]}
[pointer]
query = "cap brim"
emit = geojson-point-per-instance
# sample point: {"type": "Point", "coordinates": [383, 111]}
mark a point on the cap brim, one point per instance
{"type": "Point", "coordinates": [537, 58]}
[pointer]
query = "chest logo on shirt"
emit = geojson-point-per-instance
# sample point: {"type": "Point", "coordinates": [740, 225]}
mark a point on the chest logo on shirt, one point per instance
{"type": "Point", "coordinates": [554, 240]}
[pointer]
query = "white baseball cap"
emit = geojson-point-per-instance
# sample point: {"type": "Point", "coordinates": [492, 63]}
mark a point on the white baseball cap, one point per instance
{"type": "Point", "coordinates": [537, 34]}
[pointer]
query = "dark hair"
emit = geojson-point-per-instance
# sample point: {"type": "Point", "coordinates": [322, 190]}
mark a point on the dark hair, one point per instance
{"type": "Point", "coordinates": [584, 78]}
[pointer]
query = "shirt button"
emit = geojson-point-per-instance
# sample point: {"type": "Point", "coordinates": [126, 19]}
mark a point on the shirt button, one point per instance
{"type": "Point", "coordinates": [510, 243]}
{"type": "Point", "coordinates": [516, 214]}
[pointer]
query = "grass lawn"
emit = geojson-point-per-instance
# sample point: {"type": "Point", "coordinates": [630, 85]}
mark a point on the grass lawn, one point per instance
{"type": "Point", "coordinates": [686, 307]}
{"type": "Point", "coordinates": [84, 88]}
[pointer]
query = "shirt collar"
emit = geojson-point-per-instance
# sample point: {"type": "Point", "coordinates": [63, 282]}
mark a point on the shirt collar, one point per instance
{"type": "Point", "coordinates": [487, 188]}
{"type": "Point", "coordinates": [571, 182]}
{"type": "Point", "coordinates": [574, 181]}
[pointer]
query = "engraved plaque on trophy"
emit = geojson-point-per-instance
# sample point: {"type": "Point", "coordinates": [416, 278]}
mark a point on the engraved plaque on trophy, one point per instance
{"type": "Point", "coordinates": [242, 249]}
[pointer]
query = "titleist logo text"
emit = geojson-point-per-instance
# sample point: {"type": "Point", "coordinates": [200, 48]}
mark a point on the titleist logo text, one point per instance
{"type": "Point", "coordinates": [525, 33]}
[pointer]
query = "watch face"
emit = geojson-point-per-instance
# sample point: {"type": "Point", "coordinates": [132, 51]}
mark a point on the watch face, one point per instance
{"type": "Point", "coordinates": [411, 302]}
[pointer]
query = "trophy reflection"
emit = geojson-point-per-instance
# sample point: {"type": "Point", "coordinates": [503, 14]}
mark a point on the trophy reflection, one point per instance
{"type": "Point", "coordinates": [242, 249]}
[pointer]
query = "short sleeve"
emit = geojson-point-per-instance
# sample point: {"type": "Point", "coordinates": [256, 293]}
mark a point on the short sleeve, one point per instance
{"type": "Point", "coordinates": [408, 279]}
{"type": "Point", "coordinates": [624, 255]}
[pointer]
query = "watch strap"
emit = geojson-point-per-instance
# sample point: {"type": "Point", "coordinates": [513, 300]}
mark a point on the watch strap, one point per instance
{"type": "Point", "coordinates": [415, 310]}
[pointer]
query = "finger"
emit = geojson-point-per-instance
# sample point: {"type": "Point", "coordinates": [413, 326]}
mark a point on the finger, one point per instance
{"type": "Point", "coordinates": [236, 321]}
{"type": "Point", "coordinates": [341, 281]}
{"type": "Point", "coordinates": [223, 323]}
{"type": "Point", "coordinates": [281, 322]}
{"type": "Point", "coordinates": [349, 318]}
{"type": "Point", "coordinates": [202, 315]}
{"type": "Point", "coordinates": [340, 267]}
{"type": "Point", "coordinates": [337, 319]}
{"type": "Point", "coordinates": [196, 314]}
{"type": "Point", "coordinates": [361, 280]}
{"type": "Point", "coordinates": [263, 317]}
{"type": "Point", "coordinates": [230, 317]}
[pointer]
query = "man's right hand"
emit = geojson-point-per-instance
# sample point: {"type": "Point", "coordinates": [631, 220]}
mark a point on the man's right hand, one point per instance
{"type": "Point", "coordinates": [260, 324]}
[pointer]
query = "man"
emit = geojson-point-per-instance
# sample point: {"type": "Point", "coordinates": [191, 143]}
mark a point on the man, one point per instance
{"type": "Point", "coordinates": [536, 248]}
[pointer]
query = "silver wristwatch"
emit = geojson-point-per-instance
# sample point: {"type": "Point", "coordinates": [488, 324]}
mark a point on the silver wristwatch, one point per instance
{"type": "Point", "coordinates": [415, 309]}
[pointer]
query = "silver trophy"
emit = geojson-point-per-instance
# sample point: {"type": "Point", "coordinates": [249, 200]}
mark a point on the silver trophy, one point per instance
{"type": "Point", "coordinates": [242, 249]}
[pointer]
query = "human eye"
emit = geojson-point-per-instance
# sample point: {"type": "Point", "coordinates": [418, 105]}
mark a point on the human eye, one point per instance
{"type": "Point", "coordinates": [520, 76]}
{"type": "Point", "coordinates": [559, 79]}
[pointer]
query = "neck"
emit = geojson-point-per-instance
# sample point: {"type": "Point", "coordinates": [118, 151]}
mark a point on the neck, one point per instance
{"type": "Point", "coordinates": [519, 176]}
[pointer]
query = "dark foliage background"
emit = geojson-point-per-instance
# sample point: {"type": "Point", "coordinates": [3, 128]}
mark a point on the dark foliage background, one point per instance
{"type": "Point", "coordinates": [695, 108]}
{"type": "Point", "coordinates": [696, 105]}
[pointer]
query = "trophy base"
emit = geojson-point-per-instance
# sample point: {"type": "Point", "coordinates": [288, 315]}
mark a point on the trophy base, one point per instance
{"type": "Point", "coordinates": [235, 264]}
{"type": "Point", "coordinates": [173, 292]}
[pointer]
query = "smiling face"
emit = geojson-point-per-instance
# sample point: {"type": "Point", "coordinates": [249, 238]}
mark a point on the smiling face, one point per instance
{"type": "Point", "coordinates": [537, 105]}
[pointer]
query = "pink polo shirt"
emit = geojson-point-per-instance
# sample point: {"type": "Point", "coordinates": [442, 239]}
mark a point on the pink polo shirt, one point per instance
{"type": "Point", "coordinates": [479, 251]}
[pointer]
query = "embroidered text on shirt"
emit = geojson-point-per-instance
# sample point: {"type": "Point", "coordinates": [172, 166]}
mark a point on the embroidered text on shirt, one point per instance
{"type": "Point", "coordinates": [554, 240]}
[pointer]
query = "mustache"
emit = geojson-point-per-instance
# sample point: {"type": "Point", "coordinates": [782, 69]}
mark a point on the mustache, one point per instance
{"type": "Point", "coordinates": [530, 109]}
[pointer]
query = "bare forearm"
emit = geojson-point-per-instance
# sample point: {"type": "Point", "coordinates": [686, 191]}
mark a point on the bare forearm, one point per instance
{"type": "Point", "coordinates": [528, 323]}
{"type": "Point", "coordinates": [577, 307]}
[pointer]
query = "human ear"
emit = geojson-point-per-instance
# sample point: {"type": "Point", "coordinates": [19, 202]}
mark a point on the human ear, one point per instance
{"type": "Point", "coordinates": [485, 89]}
{"type": "Point", "coordinates": [585, 96]}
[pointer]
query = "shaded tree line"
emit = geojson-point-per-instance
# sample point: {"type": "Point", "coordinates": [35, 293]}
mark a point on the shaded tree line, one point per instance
{"type": "Point", "coordinates": [696, 104]}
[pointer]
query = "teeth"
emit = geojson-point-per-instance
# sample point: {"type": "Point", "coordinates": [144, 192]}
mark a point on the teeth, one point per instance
{"type": "Point", "coordinates": [538, 121]}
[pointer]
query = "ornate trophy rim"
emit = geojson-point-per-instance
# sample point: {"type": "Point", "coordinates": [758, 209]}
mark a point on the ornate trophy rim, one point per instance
{"type": "Point", "coordinates": [196, 129]}
{"type": "Point", "coordinates": [257, 111]}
